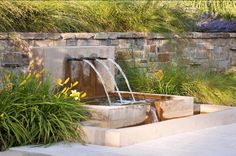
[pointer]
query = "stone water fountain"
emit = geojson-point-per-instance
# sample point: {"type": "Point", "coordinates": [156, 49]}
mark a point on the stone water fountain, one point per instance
{"type": "Point", "coordinates": [94, 69]}
{"type": "Point", "coordinates": [115, 110]}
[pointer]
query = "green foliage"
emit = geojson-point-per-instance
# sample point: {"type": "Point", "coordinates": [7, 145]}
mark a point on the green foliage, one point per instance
{"type": "Point", "coordinates": [31, 112]}
{"type": "Point", "coordinates": [206, 87]}
{"type": "Point", "coordinates": [137, 78]}
{"type": "Point", "coordinates": [163, 80]}
{"type": "Point", "coordinates": [97, 16]}
{"type": "Point", "coordinates": [225, 8]}
{"type": "Point", "coordinates": [213, 88]}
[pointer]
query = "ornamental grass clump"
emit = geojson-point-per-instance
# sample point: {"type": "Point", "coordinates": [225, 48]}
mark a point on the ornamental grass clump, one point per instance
{"type": "Point", "coordinates": [176, 79]}
{"type": "Point", "coordinates": [161, 80]}
{"type": "Point", "coordinates": [109, 16]}
{"type": "Point", "coordinates": [215, 88]}
{"type": "Point", "coordinates": [34, 112]}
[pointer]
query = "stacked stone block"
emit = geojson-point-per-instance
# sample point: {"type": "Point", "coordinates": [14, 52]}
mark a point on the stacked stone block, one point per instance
{"type": "Point", "coordinates": [214, 51]}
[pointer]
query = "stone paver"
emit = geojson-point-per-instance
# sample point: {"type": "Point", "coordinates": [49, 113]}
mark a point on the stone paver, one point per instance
{"type": "Point", "coordinates": [215, 141]}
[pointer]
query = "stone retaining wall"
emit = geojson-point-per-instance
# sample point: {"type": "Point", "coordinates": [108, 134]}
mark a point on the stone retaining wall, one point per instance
{"type": "Point", "coordinates": [214, 51]}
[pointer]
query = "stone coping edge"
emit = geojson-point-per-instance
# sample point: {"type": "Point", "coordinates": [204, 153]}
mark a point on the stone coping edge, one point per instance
{"type": "Point", "coordinates": [132, 135]}
{"type": "Point", "coordinates": [114, 35]}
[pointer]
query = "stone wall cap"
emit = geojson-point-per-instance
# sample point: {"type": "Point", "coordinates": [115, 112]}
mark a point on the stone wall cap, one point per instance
{"type": "Point", "coordinates": [84, 35]}
{"type": "Point", "coordinates": [106, 35]}
{"type": "Point", "coordinates": [54, 36]}
{"type": "Point", "coordinates": [158, 35]}
{"type": "Point", "coordinates": [37, 36]}
{"type": "Point", "coordinates": [3, 36]}
{"type": "Point", "coordinates": [33, 36]}
{"type": "Point", "coordinates": [125, 35]}
{"type": "Point", "coordinates": [116, 35]}
{"type": "Point", "coordinates": [207, 35]}
{"type": "Point", "coordinates": [232, 35]}
{"type": "Point", "coordinates": [68, 35]}
{"type": "Point", "coordinates": [72, 47]}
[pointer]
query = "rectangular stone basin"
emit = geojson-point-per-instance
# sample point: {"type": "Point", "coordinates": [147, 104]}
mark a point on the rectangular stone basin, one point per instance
{"type": "Point", "coordinates": [117, 116]}
{"type": "Point", "coordinates": [207, 116]}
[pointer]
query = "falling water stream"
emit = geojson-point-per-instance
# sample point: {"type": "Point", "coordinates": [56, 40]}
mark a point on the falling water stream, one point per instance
{"type": "Point", "coordinates": [154, 114]}
{"type": "Point", "coordinates": [112, 76]}
{"type": "Point", "coordinates": [123, 74]}
{"type": "Point", "coordinates": [152, 109]}
{"type": "Point", "coordinates": [100, 77]}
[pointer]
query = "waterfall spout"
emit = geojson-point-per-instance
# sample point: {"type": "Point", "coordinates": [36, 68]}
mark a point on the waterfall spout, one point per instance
{"type": "Point", "coordinates": [123, 74]}
{"type": "Point", "coordinates": [100, 77]}
{"type": "Point", "coordinates": [113, 78]}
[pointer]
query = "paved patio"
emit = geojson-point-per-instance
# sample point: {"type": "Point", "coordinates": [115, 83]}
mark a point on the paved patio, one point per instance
{"type": "Point", "coordinates": [215, 141]}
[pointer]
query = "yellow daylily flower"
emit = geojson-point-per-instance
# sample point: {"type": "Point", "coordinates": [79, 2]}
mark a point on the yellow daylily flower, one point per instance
{"type": "Point", "coordinates": [75, 94]}
{"type": "Point", "coordinates": [59, 82]}
{"type": "Point", "coordinates": [28, 76]}
{"type": "Point", "coordinates": [83, 95]}
{"type": "Point", "coordinates": [7, 77]}
{"type": "Point", "coordinates": [42, 71]}
{"type": "Point", "coordinates": [75, 83]}
{"type": "Point", "coordinates": [31, 64]}
{"type": "Point", "coordinates": [159, 75]}
{"type": "Point", "coordinates": [40, 74]}
{"type": "Point", "coordinates": [22, 83]}
{"type": "Point", "coordinates": [63, 90]}
{"type": "Point", "coordinates": [2, 115]}
{"type": "Point", "coordinates": [66, 81]}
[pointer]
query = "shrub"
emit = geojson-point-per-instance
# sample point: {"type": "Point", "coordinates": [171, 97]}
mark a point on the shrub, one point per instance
{"type": "Point", "coordinates": [206, 87]}
{"type": "Point", "coordinates": [32, 112]}
{"type": "Point", "coordinates": [218, 25]}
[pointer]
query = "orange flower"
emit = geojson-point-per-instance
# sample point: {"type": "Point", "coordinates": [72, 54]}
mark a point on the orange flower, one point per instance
{"type": "Point", "coordinates": [159, 74]}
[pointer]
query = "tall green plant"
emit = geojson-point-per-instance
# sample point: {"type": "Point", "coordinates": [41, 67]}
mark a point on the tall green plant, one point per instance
{"type": "Point", "coordinates": [213, 88]}
{"type": "Point", "coordinates": [32, 112]}
{"type": "Point", "coordinates": [162, 80]}
{"type": "Point", "coordinates": [206, 87]}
